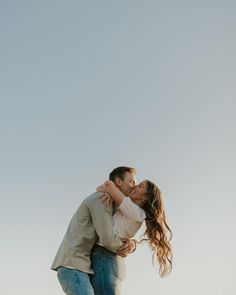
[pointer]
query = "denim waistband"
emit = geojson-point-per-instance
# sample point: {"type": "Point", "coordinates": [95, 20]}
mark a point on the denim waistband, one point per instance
{"type": "Point", "coordinates": [100, 249]}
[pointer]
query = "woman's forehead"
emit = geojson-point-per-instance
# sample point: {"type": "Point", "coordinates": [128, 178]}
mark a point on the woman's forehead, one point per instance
{"type": "Point", "coordinates": [144, 183]}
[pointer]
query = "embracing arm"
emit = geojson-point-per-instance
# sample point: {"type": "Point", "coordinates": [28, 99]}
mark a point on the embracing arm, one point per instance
{"type": "Point", "coordinates": [103, 224]}
{"type": "Point", "coordinates": [110, 188]}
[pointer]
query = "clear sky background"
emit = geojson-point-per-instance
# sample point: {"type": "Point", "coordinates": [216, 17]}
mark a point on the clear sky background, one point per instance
{"type": "Point", "coordinates": [90, 85]}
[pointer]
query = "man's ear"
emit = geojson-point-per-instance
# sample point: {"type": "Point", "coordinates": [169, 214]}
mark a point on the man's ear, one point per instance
{"type": "Point", "coordinates": [118, 181]}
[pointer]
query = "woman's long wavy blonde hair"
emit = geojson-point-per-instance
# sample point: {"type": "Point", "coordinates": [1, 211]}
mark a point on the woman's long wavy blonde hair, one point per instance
{"type": "Point", "coordinates": [157, 232]}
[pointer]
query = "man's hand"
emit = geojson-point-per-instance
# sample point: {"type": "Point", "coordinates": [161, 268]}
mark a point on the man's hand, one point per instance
{"type": "Point", "coordinates": [129, 247]}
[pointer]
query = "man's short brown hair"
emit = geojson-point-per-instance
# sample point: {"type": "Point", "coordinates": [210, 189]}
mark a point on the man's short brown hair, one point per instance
{"type": "Point", "coordinates": [120, 172]}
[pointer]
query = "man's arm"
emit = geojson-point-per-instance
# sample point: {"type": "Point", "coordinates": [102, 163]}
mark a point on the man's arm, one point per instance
{"type": "Point", "coordinates": [103, 223]}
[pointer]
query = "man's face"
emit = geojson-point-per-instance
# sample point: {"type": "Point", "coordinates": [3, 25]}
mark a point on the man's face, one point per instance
{"type": "Point", "coordinates": [127, 184]}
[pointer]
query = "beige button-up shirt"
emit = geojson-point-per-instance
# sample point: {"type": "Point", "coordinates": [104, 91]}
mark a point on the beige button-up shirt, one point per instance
{"type": "Point", "coordinates": [91, 221]}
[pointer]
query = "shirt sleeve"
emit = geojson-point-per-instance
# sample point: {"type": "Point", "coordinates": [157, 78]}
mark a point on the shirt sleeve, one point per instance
{"type": "Point", "coordinates": [103, 223]}
{"type": "Point", "coordinates": [131, 210]}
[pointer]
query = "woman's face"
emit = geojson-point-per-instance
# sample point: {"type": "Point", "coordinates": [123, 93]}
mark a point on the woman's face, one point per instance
{"type": "Point", "coordinates": [139, 191]}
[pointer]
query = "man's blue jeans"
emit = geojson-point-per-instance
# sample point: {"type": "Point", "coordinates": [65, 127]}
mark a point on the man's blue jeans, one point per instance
{"type": "Point", "coordinates": [109, 271]}
{"type": "Point", "coordinates": [74, 282]}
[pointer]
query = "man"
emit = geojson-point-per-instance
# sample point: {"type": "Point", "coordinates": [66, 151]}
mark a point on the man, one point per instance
{"type": "Point", "coordinates": [92, 223]}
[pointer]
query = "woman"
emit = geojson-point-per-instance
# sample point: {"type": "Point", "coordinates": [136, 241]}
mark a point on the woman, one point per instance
{"type": "Point", "coordinates": [144, 203]}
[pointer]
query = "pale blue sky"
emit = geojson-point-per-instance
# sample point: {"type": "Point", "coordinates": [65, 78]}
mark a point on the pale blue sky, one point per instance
{"type": "Point", "coordinates": [90, 85]}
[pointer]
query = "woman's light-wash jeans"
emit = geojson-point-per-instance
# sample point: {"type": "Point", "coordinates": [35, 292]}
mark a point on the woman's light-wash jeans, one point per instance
{"type": "Point", "coordinates": [109, 272]}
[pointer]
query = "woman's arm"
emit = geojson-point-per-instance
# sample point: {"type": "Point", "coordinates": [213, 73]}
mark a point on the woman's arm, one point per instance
{"type": "Point", "coordinates": [114, 192]}
{"type": "Point", "coordinates": [109, 188]}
